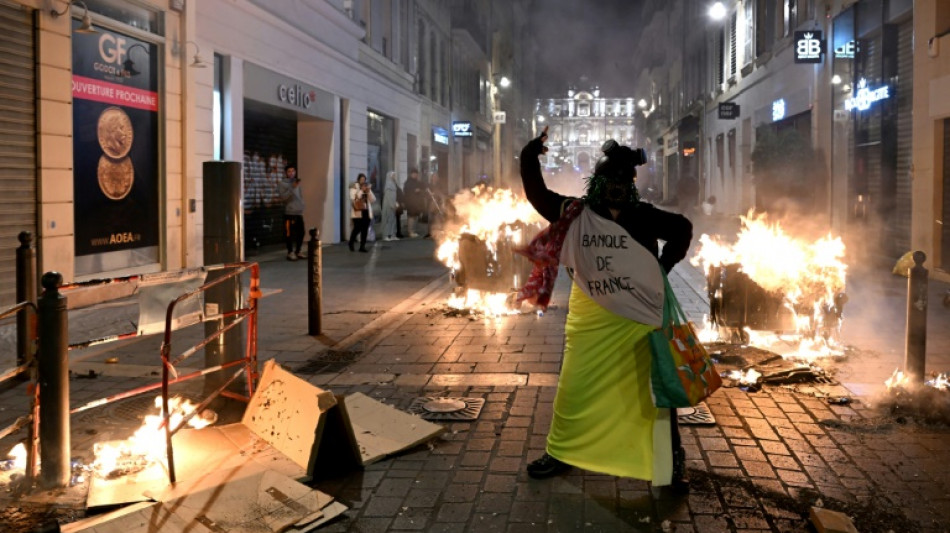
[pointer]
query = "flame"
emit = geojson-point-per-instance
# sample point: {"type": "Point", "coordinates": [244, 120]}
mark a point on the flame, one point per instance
{"type": "Point", "coordinates": [807, 275]}
{"type": "Point", "coordinates": [147, 445]}
{"type": "Point", "coordinates": [494, 216]}
{"type": "Point", "coordinates": [748, 377]}
{"type": "Point", "coordinates": [487, 303]}
{"type": "Point", "coordinates": [18, 457]}
{"type": "Point", "coordinates": [940, 382]}
{"type": "Point", "coordinates": [897, 379]}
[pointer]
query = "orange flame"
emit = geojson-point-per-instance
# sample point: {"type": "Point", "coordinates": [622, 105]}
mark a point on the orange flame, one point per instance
{"type": "Point", "coordinates": [494, 216]}
{"type": "Point", "coordinates": [808, 275]}
{"type": "Point", "coordinates": [147, 444]}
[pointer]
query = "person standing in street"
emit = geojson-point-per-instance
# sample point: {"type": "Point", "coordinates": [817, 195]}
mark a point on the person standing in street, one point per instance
{"type": "Point", "coordinates": [292, 196]}
{"type": "Point", "coordinates": [361, 211]}
{"type": "Point", "coordinates": [390, 203]}
{"type": "Point", "coordinates": [436, 206]}
{"type": "Point", "coordinates": [604, 418]}
{"type": "Point", "coordinates": [414, 194]}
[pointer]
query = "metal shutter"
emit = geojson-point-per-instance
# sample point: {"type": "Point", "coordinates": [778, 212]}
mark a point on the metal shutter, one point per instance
{"type": "Point", "coordinates": [905, 104]}
{"type": "Point", "coordinates": [17, 140]}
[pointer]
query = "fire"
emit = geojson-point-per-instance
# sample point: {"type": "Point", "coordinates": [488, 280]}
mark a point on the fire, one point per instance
{"type": "Point", "coordinates": [147, 445]}
{"type": "Point", "coordinates": [897, 379]}
{"type": "Point", "coordinates": [499, 221]}
{"type": "Point", "coordinates": [745, 378]}
{"type": "Point", "coordinates": [17, 457]}
{"type": "Point", "coordinates": [940, 382]}
{"type": "Point", "coordinates": [808, 277]}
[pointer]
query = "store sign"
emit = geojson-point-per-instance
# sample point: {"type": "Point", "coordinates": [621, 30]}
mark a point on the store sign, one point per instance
{"type": "Point", "coordinates": [296, 95]}
{"type": "Point", "coordinates": [728, 110]}
{"type": "Point", "coordinates": [809, 46]}
{"type": "Point", "coordinates": [116, 107]}
{"type": "Point", "coordinates": [778, 109]}
{"type": "Point", "coordinates": [462, 129]}
{"type": "Point", "coordinates": [847, 50]}
{"type": "Point", "coordinates": [498, 117]}
{"type": "Point", "coordinates": [439, 135]}
{"type": "Point", "coordinates": [864, 96]}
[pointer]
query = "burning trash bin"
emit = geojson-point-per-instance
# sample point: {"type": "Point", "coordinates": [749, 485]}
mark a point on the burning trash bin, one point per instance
{"type": "Point", "coordinates": [479, 247]}
{"type": "Point", "coordinates": [770, 281]}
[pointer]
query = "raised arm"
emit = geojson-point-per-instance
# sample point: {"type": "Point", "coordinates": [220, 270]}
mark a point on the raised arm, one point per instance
{"type": "Point", "coordinates": [547, 202]}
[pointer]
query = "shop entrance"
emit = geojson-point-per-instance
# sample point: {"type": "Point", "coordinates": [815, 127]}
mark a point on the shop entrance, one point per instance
{"type": "Point", "coordinates": [270, 143]}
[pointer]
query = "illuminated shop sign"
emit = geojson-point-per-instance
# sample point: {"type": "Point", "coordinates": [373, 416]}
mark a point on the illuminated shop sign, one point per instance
{"type": "Point", "coordinates": [439, 135]}
{"type": "Point", "coordinates": [809, 46]}
{"type": "Point", "coordinates": [847, 50]}
{"type": "Point", "coordinates": [462, 129]}
{"type": "Point", "coordinates": [864, 96]}
{"type": "Point", "coordinates": [778, 109]}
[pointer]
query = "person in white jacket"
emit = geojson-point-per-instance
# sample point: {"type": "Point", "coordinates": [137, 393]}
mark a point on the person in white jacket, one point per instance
{"type": "Point", "coordinates": [361, 210]}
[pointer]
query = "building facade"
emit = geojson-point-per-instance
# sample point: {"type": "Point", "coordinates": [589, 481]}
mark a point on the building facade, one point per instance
{"type": "Point", "coordinates": [837, 75]}
{"type": "Point", "coordinates": [107, 131]}
{"type": "Point", "coordinates": [578, 124]}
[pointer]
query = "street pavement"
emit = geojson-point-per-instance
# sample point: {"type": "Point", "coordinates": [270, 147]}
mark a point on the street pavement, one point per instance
{"type": "Point", "coordinates": [387, 333]}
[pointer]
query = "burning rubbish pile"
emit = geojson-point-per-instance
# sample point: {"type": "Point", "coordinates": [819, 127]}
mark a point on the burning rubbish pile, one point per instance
{"type": "Point", "coordinates": [769, 281]}
{"type": "Point", "coordinates": [479, 247]}
{"type": "Point", "coordinates": [928, 401]}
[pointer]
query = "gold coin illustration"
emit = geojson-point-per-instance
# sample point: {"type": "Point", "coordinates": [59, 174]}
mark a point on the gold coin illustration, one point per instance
{"type": "Point", "coordinates": [115, 132]}
{"type": "Point", "coordinates": [115, 177]}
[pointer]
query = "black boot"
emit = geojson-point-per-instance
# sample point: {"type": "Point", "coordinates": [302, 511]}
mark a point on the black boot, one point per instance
{"type": "Point", "coordinates": [680, 482]}
{"type": "Point", "coordinates": [546, 466]}
{"type": "Point", "coordinates": [352, 248]}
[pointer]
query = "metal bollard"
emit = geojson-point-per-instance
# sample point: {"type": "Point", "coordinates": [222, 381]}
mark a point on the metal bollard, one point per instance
{"type": "Point", "coordinates": [53, 381]}
{"type": "Point", "coordinates": [314, 284]}
{"type": "Point", "coordinates": [916, 348]}
{"type": "Point", "coordinates": [25, 291]}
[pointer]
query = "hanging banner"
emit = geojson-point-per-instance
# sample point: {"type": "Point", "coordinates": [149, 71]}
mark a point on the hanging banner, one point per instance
{"type": "Point", "coordinates": [115, 144]}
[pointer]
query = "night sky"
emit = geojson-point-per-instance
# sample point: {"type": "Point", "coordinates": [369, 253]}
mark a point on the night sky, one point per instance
{"type": "Point", "coordinates": [608, 41]}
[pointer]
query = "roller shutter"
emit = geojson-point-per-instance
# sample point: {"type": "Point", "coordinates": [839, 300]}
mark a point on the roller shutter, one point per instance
{"type": "Point", "coordinates": [905, 104]}
{"type": "Point", "coordinates": [17, 139]}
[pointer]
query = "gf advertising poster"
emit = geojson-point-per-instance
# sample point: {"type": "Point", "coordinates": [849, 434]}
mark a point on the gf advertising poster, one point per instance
{"type": "Point", "coordinates": [115, 142]}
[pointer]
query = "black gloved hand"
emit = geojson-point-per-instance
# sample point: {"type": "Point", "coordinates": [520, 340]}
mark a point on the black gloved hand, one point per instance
{"type": "Point", "coordinates": [536, 146]}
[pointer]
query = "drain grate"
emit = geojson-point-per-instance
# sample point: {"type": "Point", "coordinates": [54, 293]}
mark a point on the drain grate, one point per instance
{"type": "Point", "coordinates": [446, 409]}
{"type": "Point", "coordinates": [699, 415]}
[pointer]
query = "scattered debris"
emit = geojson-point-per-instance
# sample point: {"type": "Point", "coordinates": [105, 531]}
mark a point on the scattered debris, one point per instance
{"type": "Point", "coordinates": [826, 521]}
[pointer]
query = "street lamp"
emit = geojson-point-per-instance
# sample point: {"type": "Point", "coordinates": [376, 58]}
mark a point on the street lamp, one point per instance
{"type": "Point", "coordinates": [498, 118]}
{"type": "Point", "coordinates": [717, 11]}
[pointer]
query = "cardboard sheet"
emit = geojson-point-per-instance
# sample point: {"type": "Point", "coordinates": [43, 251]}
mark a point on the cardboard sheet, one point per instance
{"type": "Point", "coordinates": [382, 430]}
{"type": "Point", "coordinates": [197, 453]}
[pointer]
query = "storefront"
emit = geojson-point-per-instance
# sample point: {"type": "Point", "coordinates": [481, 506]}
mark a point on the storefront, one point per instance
{"type": "Point", "coordinates": [440, 155]}
{"type": "Point", "coordinates": [286, 122]}
{"type": "Point", "coordinates": [872, 51]}
{"type": "Point", "coordinates": [118, 170]}
{"type": "Point", "coordinates": [18, 195]}
{"type": "Point", "coordinates": [380, 153]}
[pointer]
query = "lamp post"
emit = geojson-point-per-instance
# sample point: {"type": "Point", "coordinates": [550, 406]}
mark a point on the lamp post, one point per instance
{"type": "Point", "coordinates": [498, 118]}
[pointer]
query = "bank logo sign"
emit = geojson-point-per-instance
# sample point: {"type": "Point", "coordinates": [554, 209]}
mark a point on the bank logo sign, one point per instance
{"type": "Point", "coordinates": [809, 46]}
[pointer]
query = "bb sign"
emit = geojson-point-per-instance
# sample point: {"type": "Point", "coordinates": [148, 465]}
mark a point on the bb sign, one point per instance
{"type": "Point", "coordinates": [809, 46]}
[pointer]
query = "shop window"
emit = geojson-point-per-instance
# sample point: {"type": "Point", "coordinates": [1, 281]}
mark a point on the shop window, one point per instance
{"type": "Point", "coordinates": [764, 26]}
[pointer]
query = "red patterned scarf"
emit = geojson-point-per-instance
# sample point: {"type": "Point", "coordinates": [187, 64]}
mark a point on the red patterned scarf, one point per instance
{"type": "Point", "coordinates": [545, 252]}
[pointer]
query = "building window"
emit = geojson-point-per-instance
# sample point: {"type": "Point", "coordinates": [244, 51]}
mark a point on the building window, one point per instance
{"type": "Point", "coordinates": [421, 58]}
{"type": "Point", "coordinates": [764, 27]}
{"type": "Point", "coordinates": [748, 34]}
{"type": "Point", "coordinates": [217, 109]}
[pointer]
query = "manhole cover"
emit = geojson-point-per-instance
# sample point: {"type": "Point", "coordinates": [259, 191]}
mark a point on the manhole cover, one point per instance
{"type": "Point", "coordinates": [446, 409]}
{"type": "Point", "coordinates": [700, 415]}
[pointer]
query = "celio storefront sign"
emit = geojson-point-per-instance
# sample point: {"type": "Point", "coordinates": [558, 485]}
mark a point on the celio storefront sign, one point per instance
{"type": "Point", "coordinates": [269, 87]}
{"type": "Point", "coordinates": [295, 95]}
